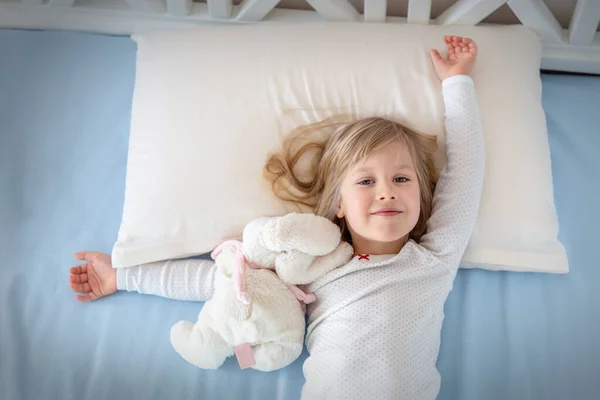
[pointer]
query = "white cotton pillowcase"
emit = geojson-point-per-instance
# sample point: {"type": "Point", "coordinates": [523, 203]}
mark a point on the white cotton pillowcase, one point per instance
{"type": "Point", "coordinates": [210, 103]}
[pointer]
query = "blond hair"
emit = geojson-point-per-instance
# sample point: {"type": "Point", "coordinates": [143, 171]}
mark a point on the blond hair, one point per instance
{"type": "Point", "coordinates": [308, 170]}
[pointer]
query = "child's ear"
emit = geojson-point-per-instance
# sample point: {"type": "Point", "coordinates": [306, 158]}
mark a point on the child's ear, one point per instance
{"type": "Point", "coordinates": [340, 212]}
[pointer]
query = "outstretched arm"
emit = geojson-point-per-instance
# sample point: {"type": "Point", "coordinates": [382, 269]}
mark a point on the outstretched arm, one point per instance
{"type": "Point", "coordinates": [188, 279]}
{"type": "Point", "coordinates": [458, 191]}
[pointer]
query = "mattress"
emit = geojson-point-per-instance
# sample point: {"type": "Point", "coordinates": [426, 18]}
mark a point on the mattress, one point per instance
{"type": "Point", "coordinates": [65, 108]}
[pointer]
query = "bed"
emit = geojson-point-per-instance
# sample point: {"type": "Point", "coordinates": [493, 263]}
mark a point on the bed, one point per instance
{"type": "Point", "coordinates": [65, 107]}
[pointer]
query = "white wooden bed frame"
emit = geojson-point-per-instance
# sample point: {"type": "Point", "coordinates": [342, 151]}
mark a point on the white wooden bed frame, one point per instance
{"type": "Point", "coordinates": [576, 49]}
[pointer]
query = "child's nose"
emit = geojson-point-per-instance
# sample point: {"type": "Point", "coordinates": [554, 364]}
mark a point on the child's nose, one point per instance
{"type": "Point", "coordinates": [386, 192]}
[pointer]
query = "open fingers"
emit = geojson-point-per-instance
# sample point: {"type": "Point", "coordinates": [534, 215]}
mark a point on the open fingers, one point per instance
{"type": "Point", "coordinates": [86, 297]}
{"type": "Point", "coordinates": [454, 44]}
{"type": "Point", "coordinates": [79, 278]}
{"type": "Point", "coordinates": [80, 287]}
{"type": "Point", "coordinates": [458, 40]}
{"type": "Point", "coordinates": [464, 44]}
{"type": "Point", "coordinates": [472, 46]}
{"type": "Point", "coordinates": [449, 43]}
{"type": "Point", "coordinates": [80, 269]}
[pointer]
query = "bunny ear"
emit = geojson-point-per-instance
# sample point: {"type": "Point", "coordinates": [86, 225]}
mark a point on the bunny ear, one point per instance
{"type": "Point", "coordinates": [255, 249]}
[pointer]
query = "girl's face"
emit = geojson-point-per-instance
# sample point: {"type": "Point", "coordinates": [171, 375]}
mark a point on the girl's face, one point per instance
{"type": "Point", "coordinates": [380, 200]}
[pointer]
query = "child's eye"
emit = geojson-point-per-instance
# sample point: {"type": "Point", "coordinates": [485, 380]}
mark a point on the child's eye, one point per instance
{"type": "Point", "coordinates": [365, 182]}
{"type": "Point", "coordinates": [401, 179]}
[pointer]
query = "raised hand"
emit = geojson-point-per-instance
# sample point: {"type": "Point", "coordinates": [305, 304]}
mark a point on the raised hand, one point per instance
{"type": "Point", "coordinates": [462, 53]}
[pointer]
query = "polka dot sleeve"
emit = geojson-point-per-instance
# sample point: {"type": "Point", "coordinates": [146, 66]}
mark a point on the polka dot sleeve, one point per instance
{"type": "Point", "coordinates": [186, 279]}
{"type": "Point", "coordinates": [458, 191]}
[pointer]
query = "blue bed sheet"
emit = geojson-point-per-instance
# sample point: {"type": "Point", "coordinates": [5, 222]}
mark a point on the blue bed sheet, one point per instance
{"type": "Point", "coordinates": [65, 104]}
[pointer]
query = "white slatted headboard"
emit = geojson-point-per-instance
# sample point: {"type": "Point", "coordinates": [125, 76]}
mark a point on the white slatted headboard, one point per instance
{"type": "Point", "coordinates": [576, 49]}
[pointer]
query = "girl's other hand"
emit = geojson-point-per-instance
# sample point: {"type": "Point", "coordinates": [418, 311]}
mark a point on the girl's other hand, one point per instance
{"type": "Point", "coordinates": [94, 279]}
{"type": "Point", "coordinates": [461, 56]}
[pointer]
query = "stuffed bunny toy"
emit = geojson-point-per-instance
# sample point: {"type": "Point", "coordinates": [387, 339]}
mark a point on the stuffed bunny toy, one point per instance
{"type": "Point", "coordinates": [256, 310]}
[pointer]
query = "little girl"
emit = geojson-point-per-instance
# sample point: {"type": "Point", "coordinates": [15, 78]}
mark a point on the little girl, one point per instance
{"type": "Point", "coordinates": [374, 331]}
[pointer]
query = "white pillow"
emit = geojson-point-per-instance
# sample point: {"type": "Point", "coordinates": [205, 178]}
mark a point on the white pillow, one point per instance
{"type": "Point", "coordinates": [210, 103]}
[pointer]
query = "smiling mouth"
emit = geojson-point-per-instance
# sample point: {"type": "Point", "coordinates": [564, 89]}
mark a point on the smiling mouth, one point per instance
{"type": "Point", "coordinates": [387, 212]}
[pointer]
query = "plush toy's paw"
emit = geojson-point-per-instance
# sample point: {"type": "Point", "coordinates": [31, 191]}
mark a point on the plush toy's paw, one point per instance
{"type": "Point", "coordinates": [180, 339]}
{"type": "Point", "coordinates": [297, 268]}
{"type": "Point", "coordinates": [342, 254]}
{"type": "Point", "coordinates": [305, 232]}
{"type": "Point", "coordinates": [294, 267]}
{"type": "Point", "coordinates": [278, 354]}
{"type": "Point", "coordinates": [199, 345]}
